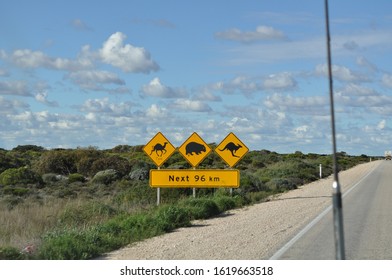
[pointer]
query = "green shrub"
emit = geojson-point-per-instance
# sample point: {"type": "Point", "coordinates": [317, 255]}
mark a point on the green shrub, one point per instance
{"type": "Point", "coordinates": [86, 213]}
{"type": "Point", "coordinates": [202, 208]}
{"type": "Point", "coordinates": [255, 197]}
{"type": "Point", "coordinates": [169, 217]}
{"type": "Point", "coordinates": [17, 191]}
{"type": "Point", "coordinates": [56, 161]}
{"type": "Point", "coordinates": [106, 177]}
{"type": "Point", "coordinates": [280, 184]}
{"type": "Point", "coordinates": [68, 245]}
{"type": "Point", "coordinates": [11, 253]}
{"type": "Point", "coordinates": [250, 182]}
{"type": "Point", "coordinates": [50, 178]}
{"type": "Point", "coordinates": [20, 175]}
{"type": "Point", "coordinates": [121, 165]}
{"type": "Point", "coordinates": [225, 203]}
{"type": "Point", "coordinates": [87, 243]}
{"type": "Point", "coordinates": [12, 201]}
{"type": "Point", "coordinates": [76, 177]}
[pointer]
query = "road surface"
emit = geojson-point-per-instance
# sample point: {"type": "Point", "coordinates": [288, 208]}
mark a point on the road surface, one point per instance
{"type": "Point", "coordinates": [367, 217]}
{"type": "Point", "coordinates": [268, 230]}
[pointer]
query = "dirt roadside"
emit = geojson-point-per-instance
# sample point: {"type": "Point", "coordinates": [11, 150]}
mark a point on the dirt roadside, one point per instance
{"type": "Point", "coordinates": [254, 232]}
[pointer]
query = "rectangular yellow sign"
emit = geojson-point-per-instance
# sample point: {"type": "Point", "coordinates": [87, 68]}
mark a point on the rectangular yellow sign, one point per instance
{"type": "Point", "coordinates": [194, 178]}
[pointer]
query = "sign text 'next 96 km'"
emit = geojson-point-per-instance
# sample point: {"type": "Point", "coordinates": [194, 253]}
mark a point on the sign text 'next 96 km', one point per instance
{"type": "Point", "coordinates": [200, 178]}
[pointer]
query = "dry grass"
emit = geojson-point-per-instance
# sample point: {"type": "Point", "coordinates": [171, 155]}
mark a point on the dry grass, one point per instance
{"type": "Point", "coordinates": [25, 223]}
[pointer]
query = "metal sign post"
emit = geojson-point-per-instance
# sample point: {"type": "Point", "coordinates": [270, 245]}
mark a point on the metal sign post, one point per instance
{"type": "Point", "coordinates": [158, 193]}
{"type": "Point", "coordinates": [321, 171]}
{"type": "Point", "coordinates": [336, 194]}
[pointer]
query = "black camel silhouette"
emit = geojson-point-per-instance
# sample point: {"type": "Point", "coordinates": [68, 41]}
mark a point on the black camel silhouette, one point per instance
{"type": "Point", "coordinates": [159, 148]}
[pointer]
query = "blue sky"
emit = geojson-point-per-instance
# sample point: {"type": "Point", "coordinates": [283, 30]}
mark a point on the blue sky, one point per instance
{"type": "Point", "coordinates": [106, 73]}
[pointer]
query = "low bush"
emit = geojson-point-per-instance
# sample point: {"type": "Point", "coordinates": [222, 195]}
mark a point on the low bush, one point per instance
{"type": "Point", "coordinates": [280, 185]}
{"type": "Point", "coordinates": [225, 203]}
{"type": "Point", "coordinates": [76, 177]}
{"type": "Point", "coordinates": [85, 214]}
{"type": "Point", "coordinates": [170, 217]}
{"type": "Point", "coordinates": [10, 253]}
{"type": "Point", "coordinates": [69, 245]}
{"type": "Point", "coordinates": [201, 208]}
{"type": "Point", "coordinates": [87, 243]}
{"type": "Point", "coordinates": [106, 177]}
{"type": "Point", "coordinates": [16, 191]}
{"type": "Point", "coordinates": [21, 175]}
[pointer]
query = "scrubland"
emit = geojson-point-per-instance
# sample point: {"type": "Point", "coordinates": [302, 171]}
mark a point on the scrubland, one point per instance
{"type": "Point", "coordinates": [80, 203]}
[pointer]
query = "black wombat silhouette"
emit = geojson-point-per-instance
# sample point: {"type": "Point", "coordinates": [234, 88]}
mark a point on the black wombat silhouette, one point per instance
{"type": "Point", "coordinates": [159, 147]}
{"type": "Point", "coordinates": [232, 148]}
{"type": "Point", "coordinates": [193, 147]}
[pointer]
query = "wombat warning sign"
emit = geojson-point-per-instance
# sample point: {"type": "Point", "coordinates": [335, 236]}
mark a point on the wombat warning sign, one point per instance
{"type": "Point", "coordinates": [194, 149]}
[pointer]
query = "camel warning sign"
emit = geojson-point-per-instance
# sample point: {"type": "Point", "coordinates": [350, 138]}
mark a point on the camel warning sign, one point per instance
{"type": "Point", "coordinates": [194, 149]}
{"type": "Point", "coordinates": [159, 149]}
{"type": "Point", "coordinates": [231, 149]}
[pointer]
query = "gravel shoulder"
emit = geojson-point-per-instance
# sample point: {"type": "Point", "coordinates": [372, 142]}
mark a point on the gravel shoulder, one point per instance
{"type": "Point", "coordinates": [254, 232]}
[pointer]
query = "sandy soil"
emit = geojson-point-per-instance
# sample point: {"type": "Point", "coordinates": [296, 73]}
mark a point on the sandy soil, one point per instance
{"type": "Point", "coordinates": [254, 232]}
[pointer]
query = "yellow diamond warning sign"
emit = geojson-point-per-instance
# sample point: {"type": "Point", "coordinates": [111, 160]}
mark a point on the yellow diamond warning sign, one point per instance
{"type": "Point", "coordinates": [231, 149]}
{"type": "Point", "coordinates": [159, 149]}
{"type": "Point", "coordinates": [194, 149]}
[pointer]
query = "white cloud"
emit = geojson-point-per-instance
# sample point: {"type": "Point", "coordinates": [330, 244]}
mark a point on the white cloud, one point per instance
{"type": "Point", "coordinates": [3, 54]}
{"type": "Point", "coordinates": [387, 80]}
{"type": "Point", "coordinates": [156, 112]}
{"type": "Point", "coordinates": [350, 45]}
{"type": "Point", "coordinates": [126, 57]}
{"type": "Point", "coordinates": [26, 58]}
{"type": "Point", "coordinates": [17, 88]}
{"type": "Point", "coordinates": [261, 33]}
{"type": "Point", "coordinates": [381, 125]}
{"type": "Point", "coordinates": [80, 25]}
{"type": "Point", "coordinates": [280, 81]}
{"type": "Point", "coordinates": [310, 105]}
{"type": "Point", "coordinates": [242, 125]}
{"type": "Point", "coordinates": [358, 90]}
{"type": "Point", "coordinates": [114, 52]}
{"type": "Point", "coordinates": [12, 106]}
{"type": "Point", "coordinates": [300, 49]}
{"type": "Point", "coordinates": [341, 73]}
{"type": "Point", "coordinates": [240, 84]}
{"type": "Point", "coordinates": [94, 79]}
{"type": "Point", "coordinates": [42, 97]}
{"type": "Point", "coordinates": [205, 94]}
{"type": "Point", "coordinates": [191, 105]}
{"type": "Point", "coordinates": [362, 61]}
{"type": "Point", "coordinates": [156, 89]}
{"type": "Point", "coordinates": [105, 106]}
{"type": "Point", "coordinates": [301, 132]}
{"type": "Point", "coordinates": [4, 72]}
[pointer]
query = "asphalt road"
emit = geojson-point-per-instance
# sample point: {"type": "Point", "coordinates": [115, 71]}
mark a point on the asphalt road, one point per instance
{"type": "Point", "coordinates": [367, 218]}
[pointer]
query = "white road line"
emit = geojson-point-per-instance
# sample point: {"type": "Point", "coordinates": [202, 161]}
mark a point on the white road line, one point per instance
{"type": "Point", "coordinates": [288, 245]}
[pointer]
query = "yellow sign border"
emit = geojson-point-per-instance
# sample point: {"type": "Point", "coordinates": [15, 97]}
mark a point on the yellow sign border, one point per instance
{"type": "Point", "coordinates": [194, 178]}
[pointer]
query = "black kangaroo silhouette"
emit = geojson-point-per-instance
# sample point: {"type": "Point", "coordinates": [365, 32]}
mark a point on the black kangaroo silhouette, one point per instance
{"type": "Point", "coordinates": [159, 147]}
{"type": "Point", "coordinates": [232, 148]}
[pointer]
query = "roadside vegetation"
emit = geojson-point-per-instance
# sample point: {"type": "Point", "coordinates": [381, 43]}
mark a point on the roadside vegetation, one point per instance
{"type": "Point", "coordinates": [80, 203]}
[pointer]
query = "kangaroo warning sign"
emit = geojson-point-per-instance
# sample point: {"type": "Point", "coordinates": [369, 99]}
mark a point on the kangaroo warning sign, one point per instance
{"type": "Point", "coordinates": [231, 149]}
{"type": "Point", "coordinates": [194, 149]}
{"type": "Point", "coordinates": [159, 149]}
